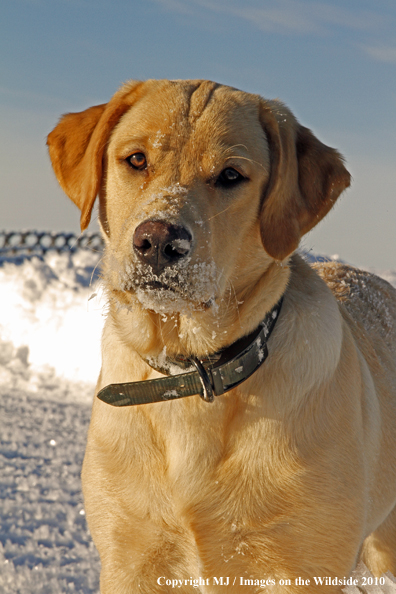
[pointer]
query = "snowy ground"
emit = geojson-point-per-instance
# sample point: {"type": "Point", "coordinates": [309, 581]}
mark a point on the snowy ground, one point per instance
{"type": "Point", "coordinates": [50, 329]}
{"type": "Point", "coordinates": [49, 360]}
{"type": "Point", "coordinates": [45, 547]}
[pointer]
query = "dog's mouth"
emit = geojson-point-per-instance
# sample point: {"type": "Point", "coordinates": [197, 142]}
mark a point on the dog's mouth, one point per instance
{"type": "Point", "coordinates": [153, 285]}
{"type": "Point", "coordinates": [181, 288]}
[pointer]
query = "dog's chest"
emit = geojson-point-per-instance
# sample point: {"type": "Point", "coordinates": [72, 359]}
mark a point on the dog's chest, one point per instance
{"type": "Point", "coordinates": [206, 457]}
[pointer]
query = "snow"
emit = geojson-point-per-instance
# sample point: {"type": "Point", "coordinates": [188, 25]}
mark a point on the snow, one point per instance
{"type": "Point", "coordinates": [49, 361]}
{"type": "Point", "coordinates": [45, 547]}
{"type": "Point", "coordinates": [51, 318]}
{"type": "Point", "coordinates": [50, 327]}
{"type": "Point", "coordinates": [178, 288]}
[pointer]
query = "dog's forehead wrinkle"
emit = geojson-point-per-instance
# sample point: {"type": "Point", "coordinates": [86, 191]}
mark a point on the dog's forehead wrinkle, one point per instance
{"type": "Point", "coordinates": [199, 99]}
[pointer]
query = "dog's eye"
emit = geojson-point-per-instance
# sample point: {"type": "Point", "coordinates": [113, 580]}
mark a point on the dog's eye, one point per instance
{"type": "Point", "coordinates": [229, 176]}
{"type": "Point", "coordinates": [137, 161]}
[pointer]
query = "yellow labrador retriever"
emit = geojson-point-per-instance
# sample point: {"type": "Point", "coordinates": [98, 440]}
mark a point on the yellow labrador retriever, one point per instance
{"type": "Point", "coordinates": [245, 430]}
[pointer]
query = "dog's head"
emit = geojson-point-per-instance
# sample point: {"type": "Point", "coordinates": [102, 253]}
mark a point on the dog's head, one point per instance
{"type": "Point", "coordinates": [201, 187]}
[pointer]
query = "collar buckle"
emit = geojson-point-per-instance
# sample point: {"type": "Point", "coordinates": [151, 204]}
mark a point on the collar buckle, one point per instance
{"type": "Point", "coordinates": [209, 391]}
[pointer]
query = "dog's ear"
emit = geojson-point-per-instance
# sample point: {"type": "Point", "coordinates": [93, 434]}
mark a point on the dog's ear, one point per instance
{"type": "Point", "coordinates": [306, 179]}
{"type": "Point", "coordinates": [77, 144]}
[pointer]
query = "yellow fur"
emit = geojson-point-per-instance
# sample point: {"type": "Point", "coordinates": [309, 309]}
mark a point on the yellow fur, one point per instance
{"type": "Point", "coordinates": [293, 473]}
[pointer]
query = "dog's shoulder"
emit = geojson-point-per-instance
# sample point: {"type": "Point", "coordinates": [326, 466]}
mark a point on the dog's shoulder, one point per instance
{"type": "Point", "coordinates": [368, 299]}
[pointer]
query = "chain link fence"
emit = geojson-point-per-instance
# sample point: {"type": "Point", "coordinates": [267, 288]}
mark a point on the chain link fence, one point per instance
{"type": "Point", "coordinates": [29, 243]}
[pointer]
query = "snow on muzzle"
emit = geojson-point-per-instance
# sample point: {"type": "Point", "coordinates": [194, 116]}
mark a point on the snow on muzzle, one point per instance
{"type": "Point", "coordinates": [165, 277]}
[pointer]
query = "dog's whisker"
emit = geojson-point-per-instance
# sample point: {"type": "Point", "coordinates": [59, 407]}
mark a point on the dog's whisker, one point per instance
{"type": "Point", "coordinates": [94, 270]}
{"type": "Point", "coordinates": [247, 159]}
{"type": "Point", "coordinates": [230, 148]}
{"type": "Point", "coordinates": [219, 213]}
{"type": "Point", "coordinates": [232, 289]}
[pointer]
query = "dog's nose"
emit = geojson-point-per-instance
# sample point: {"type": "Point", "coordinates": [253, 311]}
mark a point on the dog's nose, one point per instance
{"type": "Point", "coordinates": [161, 244]}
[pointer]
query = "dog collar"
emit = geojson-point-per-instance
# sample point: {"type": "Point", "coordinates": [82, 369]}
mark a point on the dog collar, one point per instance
{"type": "Point", "coordinates": [217, 374]}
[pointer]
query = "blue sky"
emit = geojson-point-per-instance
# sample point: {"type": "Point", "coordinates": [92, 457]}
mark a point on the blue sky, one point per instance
{"type": "Point", "coordinates": [332, 62]}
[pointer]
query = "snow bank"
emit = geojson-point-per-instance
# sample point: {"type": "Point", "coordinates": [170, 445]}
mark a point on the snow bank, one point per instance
{"type": "Point", "coordinates": [50, 327]}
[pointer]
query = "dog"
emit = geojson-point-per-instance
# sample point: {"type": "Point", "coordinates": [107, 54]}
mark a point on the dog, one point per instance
{"type": "Point", "coordinates": [288, 473]}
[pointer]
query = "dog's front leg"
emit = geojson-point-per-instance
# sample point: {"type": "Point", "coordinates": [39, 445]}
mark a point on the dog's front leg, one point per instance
{"type": "Point", "coordinates": [142, 546]}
